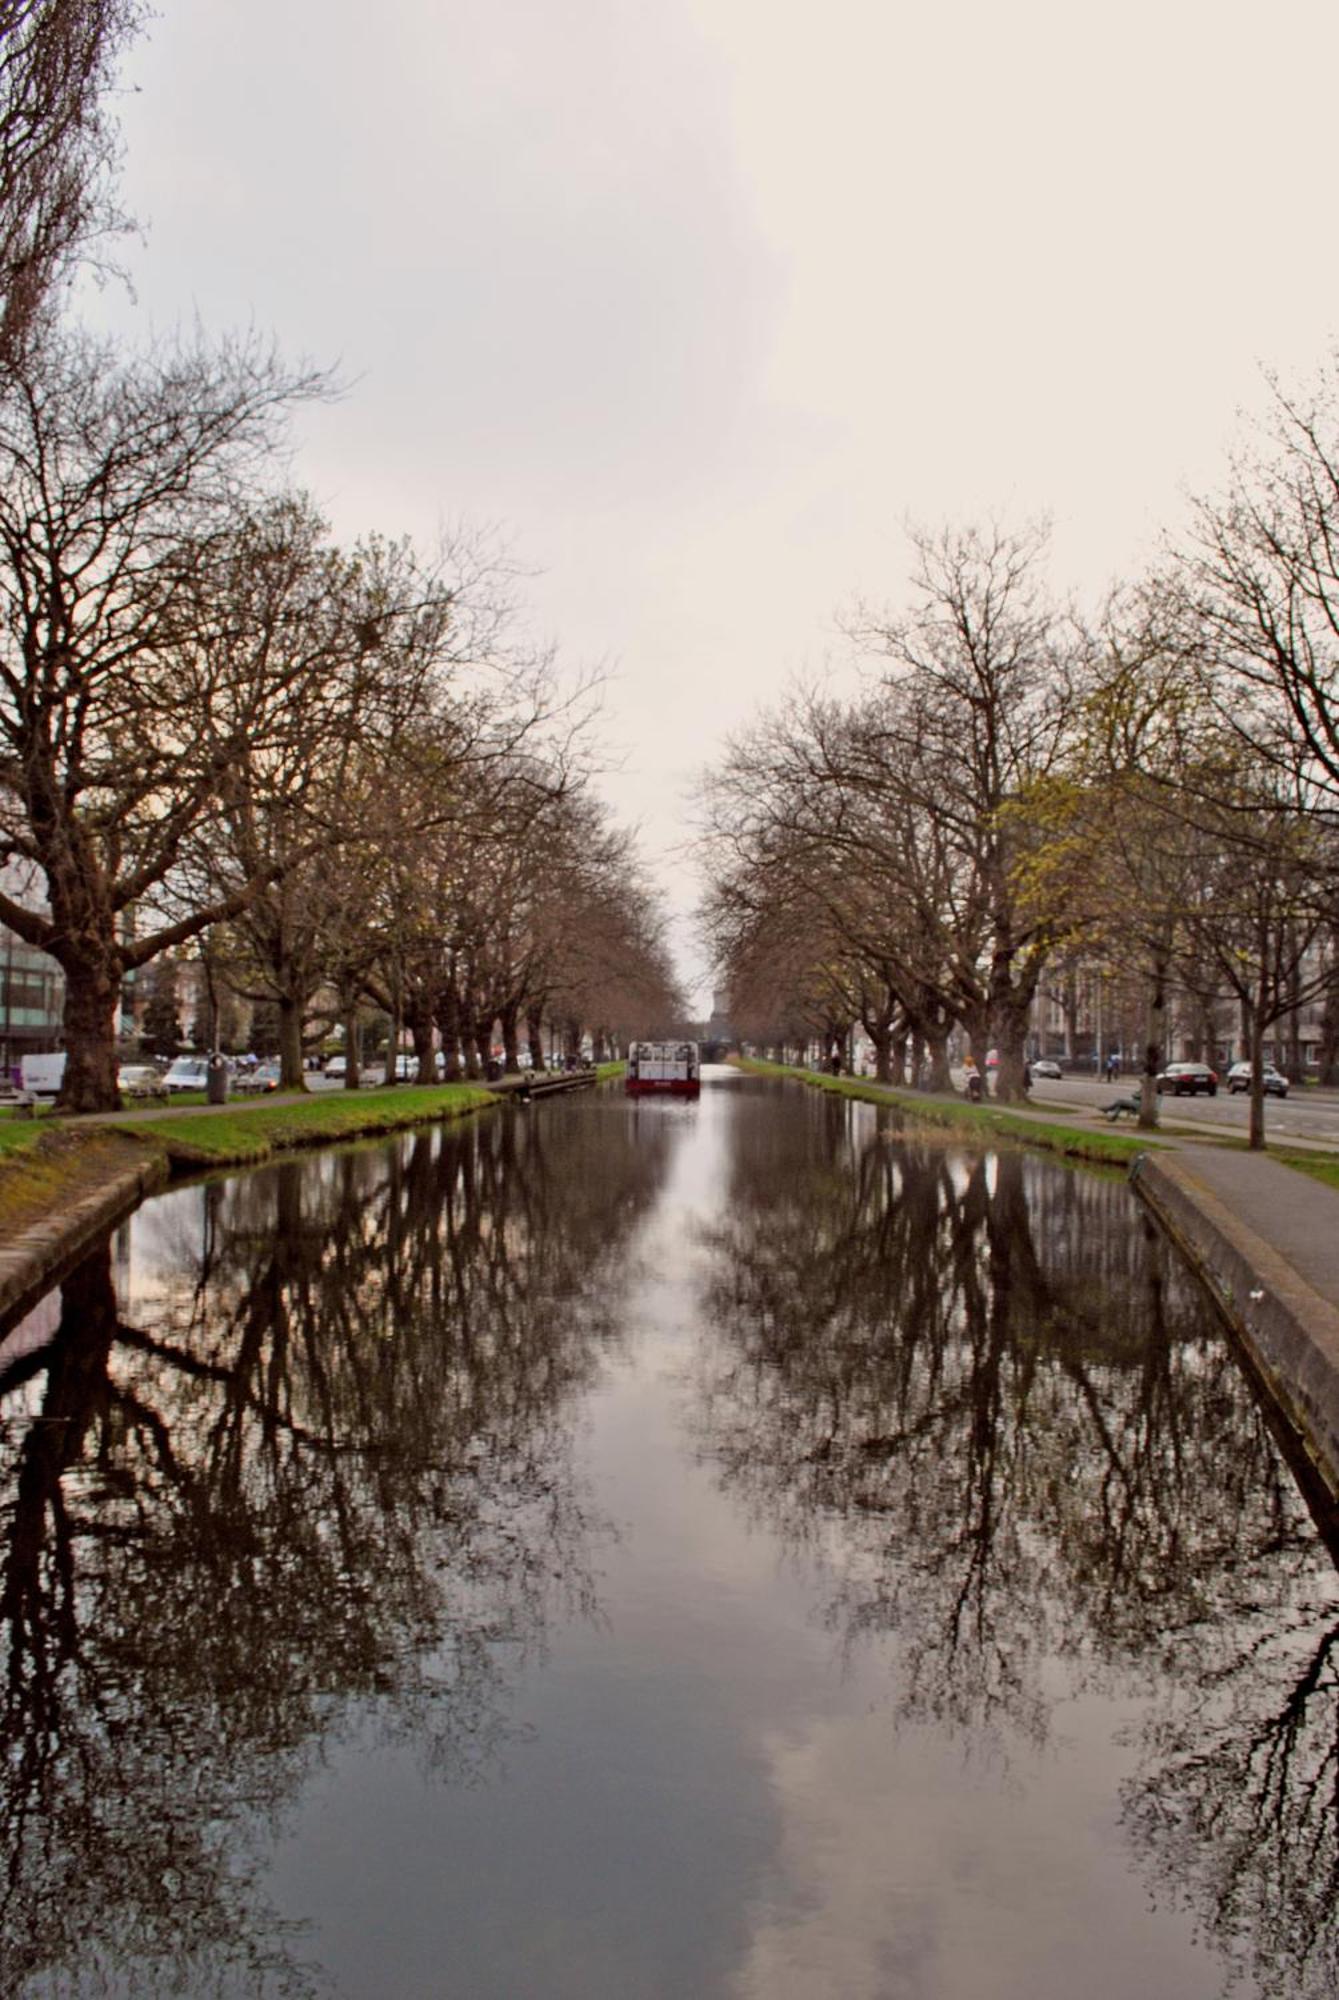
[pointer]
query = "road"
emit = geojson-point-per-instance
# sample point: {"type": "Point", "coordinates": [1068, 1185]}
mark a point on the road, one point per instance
{"type": "Point", "coordinates": [1305, 1114]}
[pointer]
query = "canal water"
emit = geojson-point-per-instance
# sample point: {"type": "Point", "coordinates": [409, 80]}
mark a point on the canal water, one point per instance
{"type": "Point", "coordinates": [637, 1549]}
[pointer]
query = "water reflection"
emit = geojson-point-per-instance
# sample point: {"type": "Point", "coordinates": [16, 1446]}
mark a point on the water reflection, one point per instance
{"type": "Point", "coordinates": [982, 1390]}
{"type": "Point", "coordinates": [316, 1470]}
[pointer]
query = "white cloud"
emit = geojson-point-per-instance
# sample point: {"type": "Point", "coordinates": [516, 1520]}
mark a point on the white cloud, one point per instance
{"type": "Point", "coordinates": [703, 299]}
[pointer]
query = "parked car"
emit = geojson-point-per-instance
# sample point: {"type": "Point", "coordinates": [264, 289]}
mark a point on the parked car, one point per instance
{"type": "Point", "coordinates": [1187, 1079]}
{"type": "Point", "coordinates": [139, 1080]}
{"type": "Point", "coordinates": [187, 1073]}
{"type": "Point", "coordinates": [1044, 1067]}
{"type": "Point", "coordinates": [1239, 1078]}
{"type": "Point", "coordinates": [265, 1076]}
{"type": "Point", "coordinates": [337, 1067]}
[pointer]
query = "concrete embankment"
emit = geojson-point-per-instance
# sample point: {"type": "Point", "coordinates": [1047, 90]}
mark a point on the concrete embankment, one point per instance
{"type": "Point", "coordinates": [45, 1249]}
{"type": "Point", "coordinates": [80, 1179]}
{"type": "Point", "coordinates": [1265, 1241]}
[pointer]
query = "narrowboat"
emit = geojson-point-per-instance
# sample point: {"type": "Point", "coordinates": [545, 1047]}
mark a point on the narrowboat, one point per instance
{"type": "Point", "coordinates": [664, 1068]}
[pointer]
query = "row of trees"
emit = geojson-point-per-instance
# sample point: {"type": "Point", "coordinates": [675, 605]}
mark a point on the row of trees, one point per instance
{"type": "Point", "coordinates": [1014, 790]}
{"type": "Point", "coordinates": [339, 766]}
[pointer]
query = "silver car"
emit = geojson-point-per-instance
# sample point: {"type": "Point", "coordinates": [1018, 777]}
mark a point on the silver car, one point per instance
{"type": "Point", "coordinates": [1239, 1079]}
{"type": "Point", "coordinates": [187, 1073]}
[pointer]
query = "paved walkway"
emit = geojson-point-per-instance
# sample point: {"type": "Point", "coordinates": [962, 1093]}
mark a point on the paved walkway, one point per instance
{"type": "Point", "coordinates": [1297, 1216]}
{"type": "Point", "coordinates": [1265, 1240]}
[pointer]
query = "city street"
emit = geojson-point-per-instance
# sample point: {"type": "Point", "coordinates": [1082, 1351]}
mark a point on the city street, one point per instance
{"type": "Point", "coordinates": [1306, 1114]}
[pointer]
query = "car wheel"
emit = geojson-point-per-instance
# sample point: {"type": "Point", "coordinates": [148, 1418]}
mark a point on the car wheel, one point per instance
{"type": "Point", "coordinates": [1213, 1090]}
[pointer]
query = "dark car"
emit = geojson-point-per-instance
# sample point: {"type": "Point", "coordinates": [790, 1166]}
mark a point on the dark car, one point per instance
{"type": "Point", "coordinates": [1187, 1079]}
{"type": "Point", "coordinates": [1239, 1078]}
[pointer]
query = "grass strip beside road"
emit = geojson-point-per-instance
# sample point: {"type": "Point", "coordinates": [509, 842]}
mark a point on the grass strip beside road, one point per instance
{"type": "Point", "coordinates": [47, 1164]}
{"type": "Point", "coordinates": [244, 1135]}
{"type": "Point", "coordinates": [982, 1121]}
{"type": "Point", "coordinates": [1321, 1166]}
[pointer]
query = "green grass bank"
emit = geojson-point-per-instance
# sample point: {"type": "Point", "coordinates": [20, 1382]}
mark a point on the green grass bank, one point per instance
{"type": "Point", "coordinates": [47, 1164]}
{"type": "Point", "coordinates": [977, 1121]}
{"type": "Point", "coordinates": [50, 1163]}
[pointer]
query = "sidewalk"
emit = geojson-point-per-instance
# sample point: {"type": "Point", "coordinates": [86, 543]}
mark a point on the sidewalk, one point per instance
{"type": "Point", "coordinates": [1265, 1241]}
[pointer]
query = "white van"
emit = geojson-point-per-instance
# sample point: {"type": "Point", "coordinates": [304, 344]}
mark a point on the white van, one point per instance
{"type": "Point", "coordinates": [42, 1076]}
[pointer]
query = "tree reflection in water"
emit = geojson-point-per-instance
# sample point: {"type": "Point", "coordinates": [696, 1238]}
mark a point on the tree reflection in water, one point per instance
{"type": "Point", "coordinates": [983, 1387]}
{"type": "Point", "coordinates": [316, 1473]}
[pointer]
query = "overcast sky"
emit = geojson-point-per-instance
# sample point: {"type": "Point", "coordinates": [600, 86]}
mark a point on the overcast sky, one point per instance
{"type": "Point", "coordinates": [700, 300]}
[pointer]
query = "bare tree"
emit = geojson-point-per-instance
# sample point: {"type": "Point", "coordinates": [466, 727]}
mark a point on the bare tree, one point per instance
{"type": "Point", "coordinates": [982, 663]}
{"type": "Point", "coordinates": [1256, 588]}
{"type": "Point", "coordinates": [120, 725]}
{"type": "Point", "coordinates": [56, 148]}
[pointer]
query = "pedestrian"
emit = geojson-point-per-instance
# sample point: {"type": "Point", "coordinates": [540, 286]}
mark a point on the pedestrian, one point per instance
{"type": "Point", "coordinates": [1113, 1067]}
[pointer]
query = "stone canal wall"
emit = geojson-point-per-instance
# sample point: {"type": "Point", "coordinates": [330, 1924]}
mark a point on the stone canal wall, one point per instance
{"type": "Point", "coordinates": [46, 1250]}
{"type": "Point", "coordinates": [1289, 1331]}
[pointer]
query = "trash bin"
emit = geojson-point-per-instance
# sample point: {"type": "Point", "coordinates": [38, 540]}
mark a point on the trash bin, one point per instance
{"type": "Point", "coordinates": [216, 1080]}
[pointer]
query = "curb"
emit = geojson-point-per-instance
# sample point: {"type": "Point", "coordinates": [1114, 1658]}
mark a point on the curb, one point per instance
{"type": "Point", "coordinates": [47, 1250]}
{"type": "Point", "coordinates": [1289, 1331]}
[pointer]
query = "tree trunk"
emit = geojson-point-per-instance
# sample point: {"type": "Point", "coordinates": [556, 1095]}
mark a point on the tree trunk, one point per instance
{"type": "Point", "coordinates": [534, 1028]}
{"type": "Point", "coordinates": [397, 1029]}
{"type": "Point", "coordinates": [936, 1042]}
{"type": "Point", "coordinates": [483, 1042]}
{"type": "Point", "coordinates": [353, 1077]}
{"type": "Point", "coordinates": [448, 1030]}
{"type": "Point", "coordinates": [1011, 1051]}
{"type": "Point", "coordinates": [291, 1075]}
{"type": "Point", "coordinates": [1010, 1007]}
{"type": "Point", "coordinates": [1255, 1140]}
{"type": "Point", "coordinates": [511, 1043]}
{"type": "Point", "coordinates": [419, 1024]}
{"type": "Point", "coordinates": [1154, 1030]}
{"type": "Point", "coordinates": [92, 996]}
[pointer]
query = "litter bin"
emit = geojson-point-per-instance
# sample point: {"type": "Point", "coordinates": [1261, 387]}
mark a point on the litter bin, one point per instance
{"type": "Point", "coordinates": [216, 1080]}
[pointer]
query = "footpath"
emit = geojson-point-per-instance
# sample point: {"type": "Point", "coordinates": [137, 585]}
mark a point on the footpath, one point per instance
{"type": "Point", "coordinates": [1264, 1239]}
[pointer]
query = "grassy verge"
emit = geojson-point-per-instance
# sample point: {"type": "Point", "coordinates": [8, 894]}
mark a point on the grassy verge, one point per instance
{"type": "Point", "coordinates": [243, 1135]}
{"type": "Point", "coordinates": [54, 1168]}
{"type": "Point", "coordinates": [45, 1165]}
{"type": "Point", "coordinates": [981, 1121]}
{"type": "Point", "coordinates": [1320, 1166]}
{"type": "Point", "coordinates": [19, 1135]}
